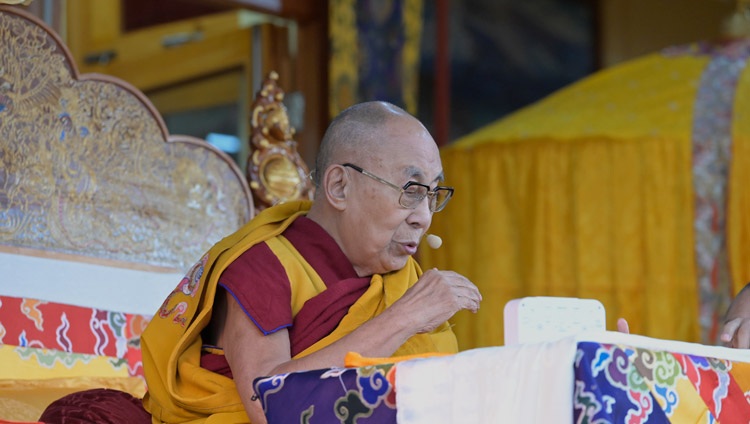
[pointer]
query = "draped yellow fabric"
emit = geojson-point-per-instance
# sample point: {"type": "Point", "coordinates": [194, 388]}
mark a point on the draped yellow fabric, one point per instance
{"type": "Point", "coordinates": [588, 194]}
{"type": "Point", "coordinates": [383, 291]}
{"type": "Point", "coordinates": [180, 391]}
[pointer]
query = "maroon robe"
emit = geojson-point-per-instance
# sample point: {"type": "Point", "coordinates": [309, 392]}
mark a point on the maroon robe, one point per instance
{"type": "Point", "coordinates": [259, 283]}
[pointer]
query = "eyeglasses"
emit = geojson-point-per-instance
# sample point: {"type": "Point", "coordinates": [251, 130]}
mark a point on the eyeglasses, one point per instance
{"type": "Point", "coordinates": [412, 193]}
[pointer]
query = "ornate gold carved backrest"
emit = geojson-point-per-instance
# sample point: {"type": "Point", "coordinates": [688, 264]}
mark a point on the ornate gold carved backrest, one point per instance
{"type": "Point", "coordinates": [275, 169]}
{"type": "Point", "coordinates": [88, 167]}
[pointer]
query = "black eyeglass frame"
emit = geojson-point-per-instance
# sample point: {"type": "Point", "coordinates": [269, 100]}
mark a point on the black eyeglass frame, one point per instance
{"type": "Point", "coordinates": [431, 193]}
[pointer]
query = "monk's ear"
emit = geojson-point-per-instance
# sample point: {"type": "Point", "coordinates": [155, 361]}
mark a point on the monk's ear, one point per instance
{"type": "Point", "coordinates": [336, 185]}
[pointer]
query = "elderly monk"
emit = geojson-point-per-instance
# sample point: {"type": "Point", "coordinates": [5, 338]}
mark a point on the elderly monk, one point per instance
{"type": "Point", "coordinates": [304, 283]}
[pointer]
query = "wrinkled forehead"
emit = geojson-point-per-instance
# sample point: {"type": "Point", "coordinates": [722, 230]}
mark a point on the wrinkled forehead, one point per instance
{"type": "Point", "coordinates": [407, 147]}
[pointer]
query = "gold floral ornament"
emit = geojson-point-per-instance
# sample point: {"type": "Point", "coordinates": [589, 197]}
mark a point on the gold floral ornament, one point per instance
{"type": "Point", "coordinates": [275, 169]}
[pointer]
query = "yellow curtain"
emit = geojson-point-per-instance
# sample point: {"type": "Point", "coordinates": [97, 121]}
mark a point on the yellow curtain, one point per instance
{"type": "Point", "coordinates": [589, 193]}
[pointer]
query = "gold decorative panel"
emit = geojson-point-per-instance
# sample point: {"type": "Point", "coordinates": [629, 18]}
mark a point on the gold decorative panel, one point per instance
{"type": "Point", "coordinates": [88, 167]}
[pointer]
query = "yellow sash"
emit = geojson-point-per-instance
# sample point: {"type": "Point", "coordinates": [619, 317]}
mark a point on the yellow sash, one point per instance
{"type": "Point", "coordinates": [180, 391]}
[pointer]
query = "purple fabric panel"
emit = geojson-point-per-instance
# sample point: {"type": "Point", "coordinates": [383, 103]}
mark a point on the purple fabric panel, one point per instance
{"type": "Point", "coordinates": [336, 395]}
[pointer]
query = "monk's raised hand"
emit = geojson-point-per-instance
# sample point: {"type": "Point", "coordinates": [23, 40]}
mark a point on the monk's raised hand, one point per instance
{"type": "Point", "coordinates": [437, 296]}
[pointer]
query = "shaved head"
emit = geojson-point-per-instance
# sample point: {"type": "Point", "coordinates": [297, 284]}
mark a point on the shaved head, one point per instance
{"type": "Point", "coordinates": [355, 130]}
{"type": "Point", "coordinates": [368, 154]}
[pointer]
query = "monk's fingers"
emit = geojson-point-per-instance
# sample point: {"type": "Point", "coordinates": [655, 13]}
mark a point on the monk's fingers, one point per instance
{"type": "Point", "coordinates": [623, 326]}
{"type": "Point", "coordinates": [447, 289]}
{"type": "Point", "coordinates": [742, 335]}
{"type": "Point", "coordinates": [470, 303]}
{"type": "Point", "coordinates": [466, 297]}
{"type": "Point", "coordinates": [736, 333]}
{"type": "Point", "coordinates": [729, 330]}
{"type": "Point", "coordinates": [463, 285]}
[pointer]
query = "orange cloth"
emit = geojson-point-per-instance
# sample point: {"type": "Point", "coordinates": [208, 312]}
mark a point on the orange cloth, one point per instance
{"type": "Point", "coordinates": [354, 359]}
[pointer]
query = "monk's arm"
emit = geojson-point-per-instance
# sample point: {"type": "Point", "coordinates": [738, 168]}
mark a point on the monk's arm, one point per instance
{"type": "Point", "coordinates": [250, 354]}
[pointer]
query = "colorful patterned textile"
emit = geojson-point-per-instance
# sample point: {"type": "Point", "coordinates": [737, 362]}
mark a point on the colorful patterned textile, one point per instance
{"type": "Point", "coordinates": [623, 384]}
{"type": "Point", "coordinates": [616, 379]}
{"type": "Point", "coordinates": [351, 395]}
{"type": "Point", "coordinates": [49, 350]}
{"type": "Point", "coordinates": [59, 336]}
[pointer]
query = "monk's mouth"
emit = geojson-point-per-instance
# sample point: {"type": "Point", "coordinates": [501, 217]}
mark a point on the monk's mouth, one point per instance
{"type": "Point", "coordinates": [410, 248]}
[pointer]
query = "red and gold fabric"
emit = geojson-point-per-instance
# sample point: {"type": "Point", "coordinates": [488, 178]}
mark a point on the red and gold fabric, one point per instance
{"type": "Point", "coordinates": [49, 350]}
{"type": "Point", "coordinates": [42, 336]}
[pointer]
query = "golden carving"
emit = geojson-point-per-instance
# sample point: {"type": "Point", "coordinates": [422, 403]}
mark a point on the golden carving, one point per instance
{"type": "Point", "coordinates": [275, 170]}
{"type": "Point", "coordinates": [87, 167]}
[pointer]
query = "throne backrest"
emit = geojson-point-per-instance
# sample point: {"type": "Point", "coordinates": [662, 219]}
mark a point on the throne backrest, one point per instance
{"type": "Point", "coordinates": [87, 166]}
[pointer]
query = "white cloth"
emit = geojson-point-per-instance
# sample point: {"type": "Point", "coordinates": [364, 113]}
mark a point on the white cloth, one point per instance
{"type": "Point", "coordinates": [513, 384]}
{"type": "Point", "coordinates": [83, 284]}
{"type": "Point", "coordinates": [674, 346]}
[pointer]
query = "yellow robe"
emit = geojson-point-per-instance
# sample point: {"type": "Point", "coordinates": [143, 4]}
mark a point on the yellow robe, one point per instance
{"type": "Point", "coordinates": [180, 391]}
